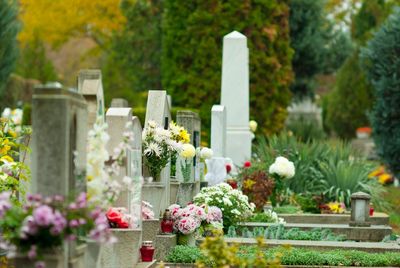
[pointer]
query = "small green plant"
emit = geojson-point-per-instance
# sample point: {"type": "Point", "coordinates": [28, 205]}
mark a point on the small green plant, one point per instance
{"type": "Point", "coordinates": [184, 254]}
{"type": "Point", "coordinates": [287, 209]}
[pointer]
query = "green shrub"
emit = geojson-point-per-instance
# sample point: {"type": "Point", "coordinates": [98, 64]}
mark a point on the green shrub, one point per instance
{"type": "Point", "coordinates": [306, 130]}
{"type": "Point", "coordinates": [8, 35]}
{"type": "Point", "coordinates": [381, 60]}
{"type": "Point", "coordinates": [287, 209]}
{"type": "Point", "coordinates": [184, 254]}
{"type": "Point", "coordinates": [192, 53]}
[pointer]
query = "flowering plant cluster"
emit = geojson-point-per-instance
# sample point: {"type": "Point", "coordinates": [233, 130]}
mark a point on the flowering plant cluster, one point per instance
{"type": "Point", "coordinates": [333, 208]}
{"type": "Point", "coordinates": [257, 186]}
{"type": "Point", "coordinates": [233, 203]}
{"type": "Point", "coordinates": [12, 168]}
{"type": "Point", "coordinates": [43, 223]}
{"type": "Point", "coordinates": [119, 218]}
{"type": "Point", "coordinates": [159, 145]}
{"type": "Point", "coordinates": [190, 218]}
{"type": "Point", "coordinates": [281, 169]}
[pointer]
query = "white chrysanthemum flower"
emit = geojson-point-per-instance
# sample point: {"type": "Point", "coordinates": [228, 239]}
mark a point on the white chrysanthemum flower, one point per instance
{"type": "Point", "coordinates": [188, 151]}
{"type": "Point", "coordinates": [152, 148]}
{"type": "Point", "coordinates": [253, 126]}
{"type": "Point", "coordinates": [152, 124]}
{"type": "Point", "coordinates": [206, 153]}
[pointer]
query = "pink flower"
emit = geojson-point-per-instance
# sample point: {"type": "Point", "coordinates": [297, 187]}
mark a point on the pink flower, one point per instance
{"type": "Point", "coordinates": [32, 252]}
{"type": "Point", "coordinates": [188, 225]}
{"type": "Point", "coordinates": [43, 215]}
{"type": "Point", "coordinates": [4, 203]}
{"type": "Point", "coordinates": [40, 264]}
{"type": "Point", "coordinates": [59, 223]}
{"type": "Point", "coordinates": [214, 214]}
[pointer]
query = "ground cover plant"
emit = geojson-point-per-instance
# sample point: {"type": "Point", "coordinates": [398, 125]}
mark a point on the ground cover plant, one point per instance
{"type": "Point", "coordinates": [298, 256]}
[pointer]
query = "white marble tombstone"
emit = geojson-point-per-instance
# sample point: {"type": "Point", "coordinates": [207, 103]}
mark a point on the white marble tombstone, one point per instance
{"type": "Point", "coordinates": [235, 96]}
{"type": "Point", "coordinates": [218, 130]}
{"type": "Point", "coordinates": [91, 87]}
{"type": "Point", "coordinates": [158, 110]}
{"type": "Point", "coordinates": [117, 119]}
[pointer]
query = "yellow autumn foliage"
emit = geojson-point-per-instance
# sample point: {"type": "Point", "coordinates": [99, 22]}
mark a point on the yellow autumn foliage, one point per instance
{"type": "Point", "coordinates": [56, 21]}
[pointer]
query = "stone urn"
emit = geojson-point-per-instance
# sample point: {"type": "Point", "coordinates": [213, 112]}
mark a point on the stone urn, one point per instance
{"type": "Point", "coordinates": [125, 252]}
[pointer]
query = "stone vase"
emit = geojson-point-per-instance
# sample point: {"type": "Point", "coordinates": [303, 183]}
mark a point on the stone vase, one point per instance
{"type": "Point", "coordinates": [173, 189]}
{"type": "Point", "coordinates": [53, 259]}
{"type": "Point", "coordinates": [92, 254]}
{"type": "Point", "coordinates": [187, 240]}
{"type": "Point", "coordinates": [125, 252]}
{"type": "Point", "coordinates": [186, 192]}
{"type": "Point", "coordinates": [153, 192]}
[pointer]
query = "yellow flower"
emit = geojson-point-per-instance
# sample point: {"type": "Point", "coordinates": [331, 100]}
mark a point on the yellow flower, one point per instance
{"type": "Point", "coordinates": [378, 171]}
{"type": "Point", "coordinates": [247, 184]}
{"type": "Point", "coordinates": [12, 133]}
{"type": "Point", "coordinates": [5, 147]}
{"type": "Point", "coordinates": [188, 151]}
{"type": "Point", "coordinates": [7, 158]}
{"type": "Point", "coordinates": [89, 177]}
{"type": "Point", "coordinates": [335, 207]}
{"type": "Point", "coordinates": [384, 178]}
{"type": "Point", "coordinates": [184, 136]}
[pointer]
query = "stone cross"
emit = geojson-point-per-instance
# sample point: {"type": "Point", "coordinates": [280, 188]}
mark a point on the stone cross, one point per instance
{"type": "Point", "coordinates": [91, 87]}
{"type": "Point", "coordinates": [235, 96]}
{"type": "Point", "coordinates": [218, 130]}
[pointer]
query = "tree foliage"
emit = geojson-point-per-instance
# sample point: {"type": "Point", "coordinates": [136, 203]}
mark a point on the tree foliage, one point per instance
{"type": "Point", "coordinates": [55, 22]}
{"type": "Point", "coordinates": [381, 60]}
{"type": "Point", "coordinates": [192, 54]}
{"type": "Point", "coordinates": [8, 43]}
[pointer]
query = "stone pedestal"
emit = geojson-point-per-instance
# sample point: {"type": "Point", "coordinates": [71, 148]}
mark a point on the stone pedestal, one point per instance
{"type": "Point", "coordinates": [154, 193]}
{"type": "Point", "coordinates": [164, 244]}
{"type": "Point", "coordinates": [151, 228]}
{"type": "Point", "coordinates": [92, 254]}
{"type": "Point", "coordinates": [125, 253]}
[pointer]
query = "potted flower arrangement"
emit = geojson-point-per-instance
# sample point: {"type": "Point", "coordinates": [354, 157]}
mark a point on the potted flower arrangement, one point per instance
{"type": "Point", "coordinates": [280, 170]}
{"type": "Point", "coordinates": [181, 136]}
{"type": "Point", "coordinates": [158, 146]}
{"type": "Point", "coordinates": [37, 230]}
{"type": "Point", "coordinates": [233, 203]}
{"type": "Point", "coordinates": [204, 153]}
{"type": "Point", "coordinates": [188, 221]}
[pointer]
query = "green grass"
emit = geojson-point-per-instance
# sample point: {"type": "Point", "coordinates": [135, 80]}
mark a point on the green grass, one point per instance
{"type": "Point", "coordinates": [392, 196]}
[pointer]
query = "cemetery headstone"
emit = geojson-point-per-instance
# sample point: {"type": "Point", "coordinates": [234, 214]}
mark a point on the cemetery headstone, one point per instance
{"type": "Point", "coordinates": [158, 110]}
{"type": "Point", "coordinates": [218, 130]}
{"type": "Point", "coordinates": [235, 96]}
{"type": "Point", "coordinates": [91, 87]}
{"type": "Point", "coordinates": [119, 103]}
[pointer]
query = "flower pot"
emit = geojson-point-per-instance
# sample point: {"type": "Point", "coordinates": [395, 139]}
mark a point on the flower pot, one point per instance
{"type": "Point", "coordinates": [173, 189]}
{"type": "Point", "coordinates": [54, 259]}
{"type": "Point", "coordinates": [125, 252]}
{"type": "Point", "coordinates": [153, 192]}
{"type": "Point", "coordinates": [185, 193]}
{"type": "Point", "coordinates": [92, 254]}
{"type": "Point", "coordinates": [187, 240]}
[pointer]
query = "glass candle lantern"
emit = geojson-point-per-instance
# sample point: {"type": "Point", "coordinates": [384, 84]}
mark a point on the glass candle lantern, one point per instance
{"type": "Point", "coordinates": [147, 251]}
{"type": "Point", "coordinates": [360, 209]}
{"type": "Point", "coordinates": [167, 223]}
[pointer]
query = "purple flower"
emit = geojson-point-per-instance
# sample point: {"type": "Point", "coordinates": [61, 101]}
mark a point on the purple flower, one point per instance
{"type": "Point", "coordinates": [59, 223]}
{"type": "Point", "coordinates": [73, 206]}
{"type": "Point", "coordinates": [74, 223]}
{"type": "Point", "coordinates": [58, 198]}
{"type": "Point", "coordinates": [29, 227]}
{"type": "Point", "coordinates": [43, 215]}
{"type": "Point", "coordinates": [4, 203]}
{"type": "Point", "coordinates": [81, 200]}
{"type": "Point", "coordinates": [32, 252]}
{"type": "Point", "coordinates": [71, 237]}
{"type": "Point", "coordinates": [40, 264]}
{"type": "Point", "coordinates": [82, 221]}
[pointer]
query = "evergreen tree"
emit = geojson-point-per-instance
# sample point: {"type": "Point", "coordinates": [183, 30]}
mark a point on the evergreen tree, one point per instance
{"type": "Point", "coordinates": [8, 43]}
{"type": "Point", "coordinates": [192, 54]}
{"type": "Point", "coordinates": [381, 60]}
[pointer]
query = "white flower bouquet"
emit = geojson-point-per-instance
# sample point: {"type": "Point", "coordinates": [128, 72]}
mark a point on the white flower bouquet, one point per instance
{"type": "Point", "coordinates": [280, 170]}
{"type": "Point", "coordinates": [233, 203]}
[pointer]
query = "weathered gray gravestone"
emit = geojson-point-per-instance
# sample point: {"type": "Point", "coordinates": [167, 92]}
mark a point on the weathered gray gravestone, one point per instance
{"type": "Point", "coordinates": [235, 96]}
{"type": "Point", "coordinates": [59, 121]}
{"type": "Point", "coordinates": [119, 103]}
{"type": "Point", "coordinates": [158, 110]}
{"type": "Point", "coordinates": [91, 87]}
{"type": "Point", "coordinates": [218, 130]}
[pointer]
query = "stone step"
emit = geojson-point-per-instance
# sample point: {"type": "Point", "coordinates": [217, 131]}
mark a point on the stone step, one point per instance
{"type": "Point", "coordinates": [152, 264]}
{"type": "Point", "coordinates": [321, 245]}
{"type": "Point", "coordinates": [164, 243]}
{"type": "Point", "coordinates": [374, 233]}
{"type": "Point", "coordinates": [378, 218]}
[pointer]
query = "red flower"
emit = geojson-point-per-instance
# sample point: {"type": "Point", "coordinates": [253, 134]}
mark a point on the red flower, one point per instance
{"type": "Point", "coordinates": [228, 168]}
{"type": "Point", "coordinates": [114, 217]}
{"type": "Point", "coordinates": [247, 164]}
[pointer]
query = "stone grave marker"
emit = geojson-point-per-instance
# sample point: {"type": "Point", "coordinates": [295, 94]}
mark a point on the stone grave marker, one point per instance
{"type": "Point", "coordinates": [91, 87]}
{"type": "Point", "coordinates": [59, 121]}
{"type": "Point", "coordinates": [158, 110]}
{"type": "Point", "coordinates": [119, 103]}
{"type": "Point", "coordinates": [235, 96]}
{"type": "Point", "coordinates": [218, 130]}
